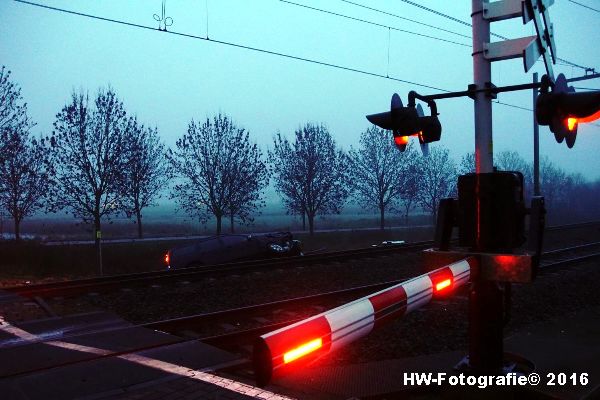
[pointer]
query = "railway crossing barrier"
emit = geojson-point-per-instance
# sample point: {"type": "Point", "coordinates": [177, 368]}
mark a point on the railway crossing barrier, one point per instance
{"type": "Point", "coordinates": [296, 345]}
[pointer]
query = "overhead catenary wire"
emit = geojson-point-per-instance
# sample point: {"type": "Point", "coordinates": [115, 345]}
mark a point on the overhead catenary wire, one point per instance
{"type": "Point", "coordinates": [405, 19]}
{"type": "Point", "coordinates": [451, 18]}
{"type": "Point", "coordinates": [512, 105]}
{"type": "Point", "coordinates": [236, 45]}
{"type": "Point", "coordinates": [585, 6]}
{"type": "Point", "coordinates": [336, 14]}
{"type": "Point", "coordinates": [436, 12]}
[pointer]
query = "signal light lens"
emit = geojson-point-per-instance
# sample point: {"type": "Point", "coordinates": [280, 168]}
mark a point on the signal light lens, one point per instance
{"type": "Point", "coordinates": [442, 285]}
{"type": "Point", "coordinates": [167, 258]}
{"type": "Point", "coordinates": [401, 140]}
{"type": "Point", "coordinates": [302, 350]}
{"type": "Point", "coordinates": [571, 123]}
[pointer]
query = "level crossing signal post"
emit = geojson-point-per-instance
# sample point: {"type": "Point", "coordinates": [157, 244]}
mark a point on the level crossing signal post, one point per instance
{"type": "Point", "coordinates": [490, 212]}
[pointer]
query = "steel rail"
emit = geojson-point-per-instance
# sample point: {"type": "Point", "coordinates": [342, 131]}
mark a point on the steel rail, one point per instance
{"type": "Point", "coordinates": [249, 334]}
{"type": "Point", "coordinates": [191, 322]}
{"type": "Point", "coordinates": [244, 336]}
{"type": "Point", "coordinates": [563, 263]}
{"type": "Point", "coordinates": [113, 282]}
{"type": "Point", "coordinates": [75, 287]}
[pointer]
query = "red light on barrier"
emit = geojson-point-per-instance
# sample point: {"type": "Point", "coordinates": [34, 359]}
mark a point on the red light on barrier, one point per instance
{"type": "Point", "coordinates": [302, 350]}
{"type": "Point", "coordinates": [167, 258]}
{"type": "Point", "coordinates": [442, 285]}
{"type": "Point", "coordinates": [441, 281]}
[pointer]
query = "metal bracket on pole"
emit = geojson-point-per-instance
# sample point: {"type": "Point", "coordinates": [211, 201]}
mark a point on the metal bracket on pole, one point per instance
{"type": "Point", "coordinates": [412, 95]}
{"type": "Point", "coordinates": [529, 47]}
{"type": "Point", "coordinates": [504, 9]}
{"type": "Point", "coordinates": [507, 49]}
{"type": "Point", "coordinates": [489, 89]}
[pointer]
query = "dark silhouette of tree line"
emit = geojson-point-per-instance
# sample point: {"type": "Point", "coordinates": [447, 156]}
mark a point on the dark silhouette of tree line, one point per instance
{"type": "Point", "coordinates": [100, 161]}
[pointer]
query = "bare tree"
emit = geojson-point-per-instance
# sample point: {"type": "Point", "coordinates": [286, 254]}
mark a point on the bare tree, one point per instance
{"type": "Point", "coordinates": [467, 164]}
{"type": "Point", "coordinates": [145, 172]}
{"type": "Point", "coordinates": [289, 179]}
{"type": "Point", "coordinates": [248, 176]}
{"type": "Point", "coordinates": [379, 171]}
{"type": "Point", "coordinates": [311, 174]}
{"type": "Point", "coordinates": [512, 161]}
{"type": "Point", "coordinates": [187, 197]}
{"type": "Point", "coordinates": [222, 171]}
{"type": "Point", "coordinates": [438, 179]}
{"type": "Point", "coordinates": [24, 179]}
{"type": "Point", "coordinates": [553, 183]}
{"type": "Point", "coordinates": [412, 184]}
{"type": "Point", "coordinates": [13, 111]}
{"type": "Point", "coordinates": [87, 156]}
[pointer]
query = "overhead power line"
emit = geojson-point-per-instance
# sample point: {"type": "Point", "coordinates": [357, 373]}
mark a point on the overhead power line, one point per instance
{"type": "Point", "coordinates": [236, 45]}
{"type": "Point", "coordinates": [404, 18]}
{"type": "Point", "coordinates": [373, 23]}
{"type": "Point", "coordinates": [441, 14]}
{"type": "Point", "coordinates": [134, 25]}
{"type": "Point", "coordinates": [512, 105]}
{"type": "Point", "coordinates": [465, 23]}
{"type": "Point", "coordinates": [585, 6]}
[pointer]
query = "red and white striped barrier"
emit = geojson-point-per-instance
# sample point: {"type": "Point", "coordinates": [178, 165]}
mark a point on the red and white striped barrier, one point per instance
{"type": "Point", "coordinates": [287, 348]}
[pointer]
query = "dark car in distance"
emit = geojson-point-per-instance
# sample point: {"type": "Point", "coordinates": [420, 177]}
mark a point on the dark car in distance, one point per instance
{"type": "Point", "coordinates": [233, 247]}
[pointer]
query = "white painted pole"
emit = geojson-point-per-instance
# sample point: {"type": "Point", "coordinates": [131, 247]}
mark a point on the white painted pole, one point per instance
{"type": "Point", "coordinates": [482, 73]}
{"type": "Point", "coordinates": [486, 298]}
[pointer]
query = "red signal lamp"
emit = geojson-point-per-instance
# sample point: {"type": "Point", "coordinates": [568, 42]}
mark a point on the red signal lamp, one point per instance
{"type": "Point", "coordinates": [573, 122]}
{"type": "Point", "coordinates": [401, 142]}
{"type": "Point", "coordinates": [562, 109]}
{"type": "Point", "coordinates": [409, 121]}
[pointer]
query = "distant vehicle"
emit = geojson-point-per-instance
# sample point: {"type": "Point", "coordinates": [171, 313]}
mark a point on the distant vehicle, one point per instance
{"type": "Point", "coordinates": [389, 243]}
{"type": "Point", "coordinates": [228, 248]}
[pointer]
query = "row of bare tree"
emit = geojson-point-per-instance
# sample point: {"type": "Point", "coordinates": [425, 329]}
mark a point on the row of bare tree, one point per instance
{"type": "Point", "coordinates": [99, 161]}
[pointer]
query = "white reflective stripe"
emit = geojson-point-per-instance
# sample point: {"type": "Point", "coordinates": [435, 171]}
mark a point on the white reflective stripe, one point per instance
{"type": "Point", "coordinates": [418, 292]}
{"type": "Point", "coordinates": [459, 268]}
{"type": "Point", "coordinates": [285, 328]}
{"type": "Point", "coordinates": [461, 272]}
{"type": "Point", "coordinates": [350, 323]}
{"type": "Point", "coordinates": [323, 314]}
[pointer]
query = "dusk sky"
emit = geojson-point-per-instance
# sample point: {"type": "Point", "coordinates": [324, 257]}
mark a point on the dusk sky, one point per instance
{"type": "Point", "coordinates": [167, 79]}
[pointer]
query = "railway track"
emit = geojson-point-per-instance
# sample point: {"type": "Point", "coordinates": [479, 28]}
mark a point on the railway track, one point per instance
{"type": "Point", "coordinates": [235, 329]}
{"type": "Point", "coordinates": [116, 282]}
{"type": "Point", "coordinates": [552, 261]}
